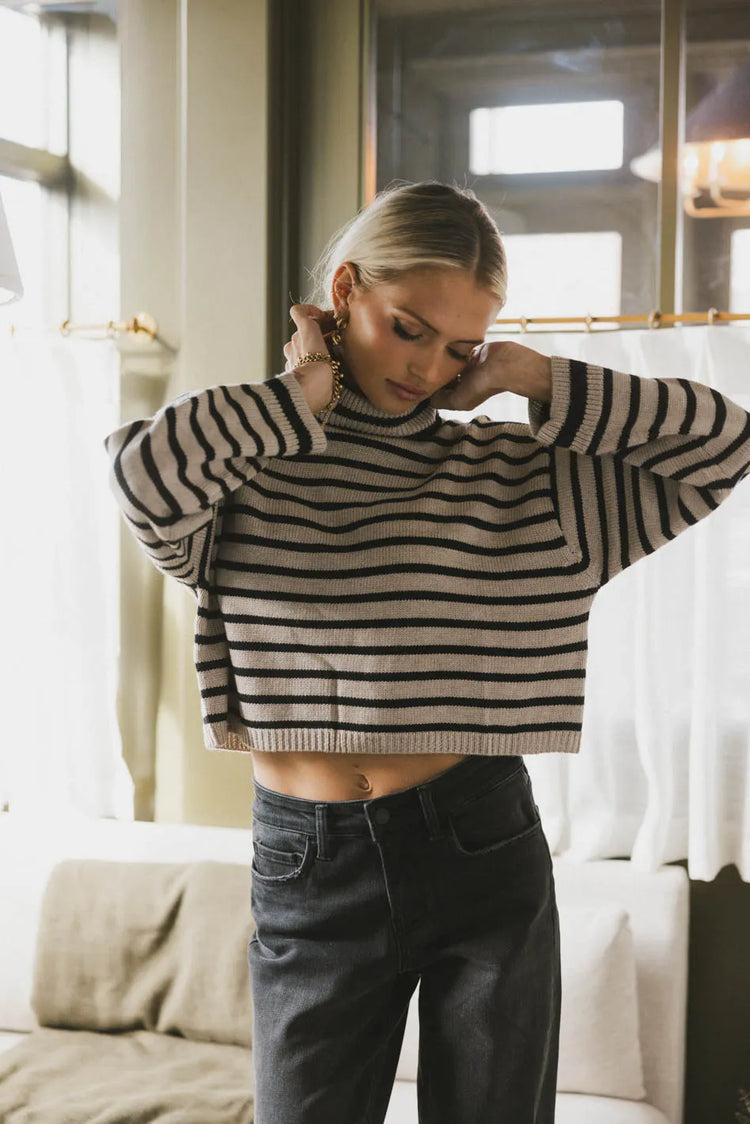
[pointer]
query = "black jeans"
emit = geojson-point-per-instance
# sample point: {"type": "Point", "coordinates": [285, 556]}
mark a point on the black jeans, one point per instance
{"type": "Point", "coordinates": [448, 884]}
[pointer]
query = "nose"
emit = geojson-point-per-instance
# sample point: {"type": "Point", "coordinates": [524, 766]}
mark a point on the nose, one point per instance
{"type": "Point", "coordinates": [428, 377]}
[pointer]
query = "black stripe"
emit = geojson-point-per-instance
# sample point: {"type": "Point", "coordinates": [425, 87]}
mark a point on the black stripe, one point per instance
{"type": "Point", "coordinates": [286, 402]}
{"type": "Point", "coordinates": [577, 405]}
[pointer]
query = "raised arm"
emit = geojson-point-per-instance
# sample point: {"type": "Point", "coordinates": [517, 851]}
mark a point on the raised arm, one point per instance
{"type": "Point", "coordinates": [636, 460]}
{"type": "Point", "coordinates": [170, 473]}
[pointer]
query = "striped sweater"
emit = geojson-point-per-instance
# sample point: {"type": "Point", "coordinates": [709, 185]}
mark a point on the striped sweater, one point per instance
{"type": "Point", "coordinates": [407, 583]}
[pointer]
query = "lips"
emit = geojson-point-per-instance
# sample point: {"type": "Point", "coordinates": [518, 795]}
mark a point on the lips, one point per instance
{"type": "Point", "coordinates": [403, 386]}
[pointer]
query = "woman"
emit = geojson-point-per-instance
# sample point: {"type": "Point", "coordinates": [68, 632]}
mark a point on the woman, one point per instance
{"type": "Point", "coordinates": [392, 610]}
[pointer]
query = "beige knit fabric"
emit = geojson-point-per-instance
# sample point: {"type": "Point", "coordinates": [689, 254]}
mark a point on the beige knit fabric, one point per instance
{"type": "Point", "coordinates": [408, 583]}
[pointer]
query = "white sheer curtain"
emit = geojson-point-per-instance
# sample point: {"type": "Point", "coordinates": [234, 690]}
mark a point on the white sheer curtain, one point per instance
{"type": "Point", "coordinates": [663, 772]}
{"type": "Point", "coordinates": [60, 749]}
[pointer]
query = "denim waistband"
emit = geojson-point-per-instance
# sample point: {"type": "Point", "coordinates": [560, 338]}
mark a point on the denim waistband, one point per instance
{"type": "Point", "coordinates": [431, 800]}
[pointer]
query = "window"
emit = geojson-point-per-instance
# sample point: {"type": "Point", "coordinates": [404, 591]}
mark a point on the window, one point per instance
{"type": "Point", "coordinates": [542, 114]}
{"type": "Point", "coordinates": [541, 118]}
{"type": "Point", "coordinates": [34, 163]}
{"type": "Point", "coordinates": [32, 82]}
{"type": "Point", "coordinates": [558, 137]}
{"type": "Point", "coordinates": [563, 274]}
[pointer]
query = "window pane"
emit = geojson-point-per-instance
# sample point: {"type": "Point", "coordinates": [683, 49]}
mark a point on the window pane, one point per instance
{"type": "Point", "coordinates": [563, 275]}
{"type": "Point", "coordinates": [451, 75]}
{"type": "Point", "coordinates": [557, 137]}
{"type": "Point", "coordinates": [32, 82]}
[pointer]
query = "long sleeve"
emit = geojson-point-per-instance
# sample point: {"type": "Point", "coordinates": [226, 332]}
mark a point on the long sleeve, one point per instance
{"type": "Point", "coordinates": [635, 461]}
{"type": "Point", "coordinates": [170, 473]}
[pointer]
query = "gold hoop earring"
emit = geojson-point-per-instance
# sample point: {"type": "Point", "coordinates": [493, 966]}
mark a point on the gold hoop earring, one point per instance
{"type": "Point", "coordinates": [341, 324]}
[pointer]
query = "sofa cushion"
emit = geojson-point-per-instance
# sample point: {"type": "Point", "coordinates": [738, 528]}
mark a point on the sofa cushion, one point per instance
{"type": "Point", "coordinates": [146, 946]}
{"type": "Point", "coordinates": [78, 1076]}
{"type": "Point", "coordinates": [599, 1027]}
{"type": "Point", "coordinates": [600, 1050]}
{"type": "Point", "coordinates": [32, 844]}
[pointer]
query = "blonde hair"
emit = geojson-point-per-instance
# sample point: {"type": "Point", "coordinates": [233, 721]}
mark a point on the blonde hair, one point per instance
{"type": "Point", "coordinates": [413, 226]}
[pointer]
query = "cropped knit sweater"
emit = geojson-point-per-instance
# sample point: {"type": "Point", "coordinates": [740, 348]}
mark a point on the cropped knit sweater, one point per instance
{"type": "Point", "coordinates": [407, 583]}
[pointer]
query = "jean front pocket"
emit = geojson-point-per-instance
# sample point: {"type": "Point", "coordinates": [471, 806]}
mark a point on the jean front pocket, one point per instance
{"type": "Point", "coordinates": [498, 817]}
{"type": "Point", "coordinates": [280, 854]}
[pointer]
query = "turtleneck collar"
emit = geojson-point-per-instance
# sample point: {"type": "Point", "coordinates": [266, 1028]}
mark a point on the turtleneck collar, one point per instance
{"type": "Point", "coordinates": [354, 410]}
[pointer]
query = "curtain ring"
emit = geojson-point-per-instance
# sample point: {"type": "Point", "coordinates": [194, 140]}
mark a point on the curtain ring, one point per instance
{"type": "Point", "coordinates": [524, 323]}
{"type": "Point", "coordinates": [589, 321]}
{"type": "Point", "coordinates": [654, 319]}
{"type": "Point", "coordinates": [712, 314]}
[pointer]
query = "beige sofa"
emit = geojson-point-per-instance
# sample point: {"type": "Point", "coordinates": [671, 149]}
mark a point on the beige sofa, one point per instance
{"type": "Point", "coordinates": [125, 997]}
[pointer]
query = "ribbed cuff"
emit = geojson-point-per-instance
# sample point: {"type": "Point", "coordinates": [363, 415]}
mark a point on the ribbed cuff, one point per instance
{"type": "Point", "coordinates": [302, 406]}
{"type": "Point", "coordinates": [571, 418]}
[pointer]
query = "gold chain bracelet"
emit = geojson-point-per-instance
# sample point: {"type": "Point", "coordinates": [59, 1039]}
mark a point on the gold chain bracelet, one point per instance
{"type": "Point", "coordinates": [338, 378]}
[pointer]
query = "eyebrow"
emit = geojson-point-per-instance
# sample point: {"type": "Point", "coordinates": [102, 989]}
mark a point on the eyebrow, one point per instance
{"type": "Point", "coordinates": [423, 321]}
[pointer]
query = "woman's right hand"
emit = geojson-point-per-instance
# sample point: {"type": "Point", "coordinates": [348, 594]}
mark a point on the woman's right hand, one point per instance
{"type": "Point", "coordinates": [316, 379]}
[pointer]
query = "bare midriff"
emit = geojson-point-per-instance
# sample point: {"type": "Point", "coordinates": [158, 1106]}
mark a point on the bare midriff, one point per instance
{"type": "Point", "coordinates": [347, 776]}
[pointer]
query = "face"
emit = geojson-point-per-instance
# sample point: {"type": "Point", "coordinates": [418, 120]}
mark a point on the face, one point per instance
{"type": "Point", "coordinates": [376, 347]}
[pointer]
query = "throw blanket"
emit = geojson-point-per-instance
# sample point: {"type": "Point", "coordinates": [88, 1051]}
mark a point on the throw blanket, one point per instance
{"type": "Point", "coordinates": [77, 1077]}
{"type": "Point", "coordinates": [142, 992]}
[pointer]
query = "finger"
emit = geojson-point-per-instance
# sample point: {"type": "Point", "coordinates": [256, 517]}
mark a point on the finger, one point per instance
{"type": "Point", "coordinates": [299, 311]}
{"type": "Point", "coordinates": [480, 354]}
{"type": "Point", "coordinates": [308, 330]}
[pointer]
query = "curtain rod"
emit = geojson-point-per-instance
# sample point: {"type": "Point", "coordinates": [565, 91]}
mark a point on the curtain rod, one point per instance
{"type": "Point", "coordinates": [654, 319]}
{"type": "Point", "coordinates": [143, 322]}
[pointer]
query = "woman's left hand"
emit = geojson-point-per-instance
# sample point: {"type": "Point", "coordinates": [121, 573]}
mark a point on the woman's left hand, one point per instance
{"type": "Point", "coordinates": [473, 388]}
{"type": "Point", "coordinates": [494, 367]}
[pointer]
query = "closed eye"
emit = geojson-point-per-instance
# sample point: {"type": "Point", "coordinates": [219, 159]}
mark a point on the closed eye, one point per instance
{"type": "Point", "coordinates": [401, 331]}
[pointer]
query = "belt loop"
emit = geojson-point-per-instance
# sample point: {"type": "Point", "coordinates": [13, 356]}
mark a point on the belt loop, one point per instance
{"type": "Point", "coordinates": [428, 809]}
{"type": "Point", "coordinates": [320, 828]}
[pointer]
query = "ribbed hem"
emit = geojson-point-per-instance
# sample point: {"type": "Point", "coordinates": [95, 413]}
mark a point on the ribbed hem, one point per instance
{"type": "Point", "coordinates": [218, 736]}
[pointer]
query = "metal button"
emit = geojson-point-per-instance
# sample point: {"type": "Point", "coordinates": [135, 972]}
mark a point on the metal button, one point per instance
{"type": "Point", "coordinates": [382, 815]}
